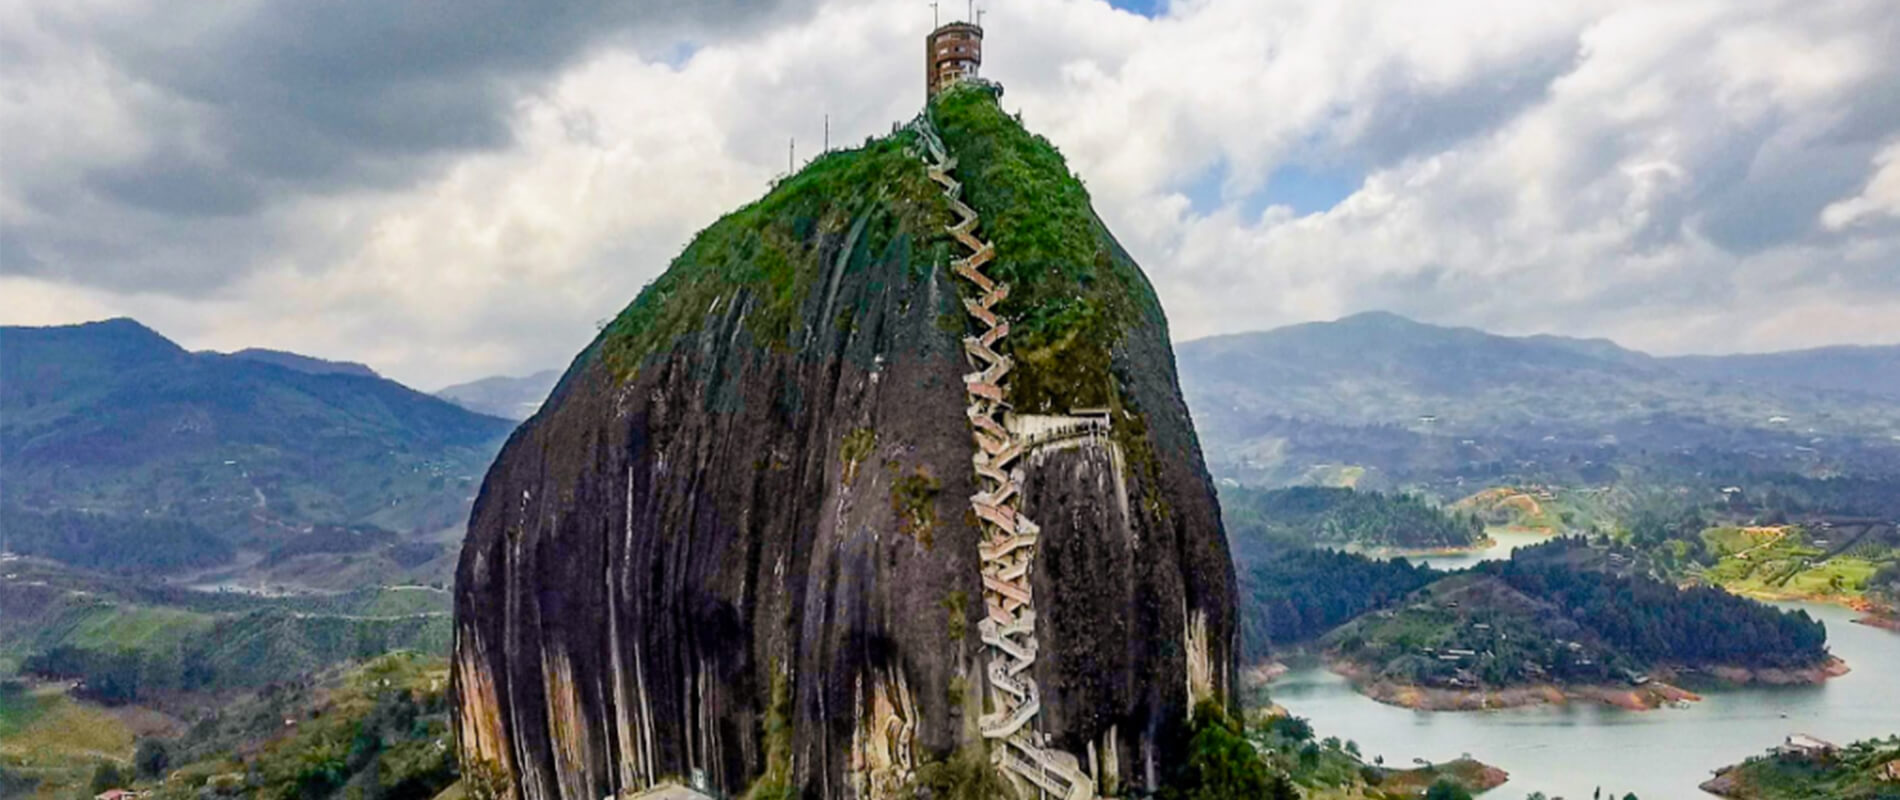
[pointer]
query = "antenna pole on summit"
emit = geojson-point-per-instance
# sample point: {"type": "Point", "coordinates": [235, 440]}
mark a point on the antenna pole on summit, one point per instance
{"type": "Point", "coordinates": [791, 156]}
{"type": "Point", "coordinates": [936, 21]}
{"type": "Point", "coordinates": [827, 134]}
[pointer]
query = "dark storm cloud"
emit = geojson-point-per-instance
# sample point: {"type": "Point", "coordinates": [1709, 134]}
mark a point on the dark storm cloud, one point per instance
{"type": "Point", "coordinates": [244, 105]}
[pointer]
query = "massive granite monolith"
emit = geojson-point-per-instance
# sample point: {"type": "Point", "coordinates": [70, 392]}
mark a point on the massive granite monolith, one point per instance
{"type": "Point", "coordinates": [737, 543]}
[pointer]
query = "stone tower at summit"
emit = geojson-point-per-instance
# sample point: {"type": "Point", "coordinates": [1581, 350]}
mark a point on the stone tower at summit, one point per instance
{"type": "Point", "coordinates": [952, 52]}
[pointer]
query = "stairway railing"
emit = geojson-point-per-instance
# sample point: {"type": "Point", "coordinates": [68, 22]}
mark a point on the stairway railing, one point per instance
{"type": "Point", "coordinates": [1008, 547]}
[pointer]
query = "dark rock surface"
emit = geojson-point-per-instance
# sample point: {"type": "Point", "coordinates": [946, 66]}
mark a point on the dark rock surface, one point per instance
{"type": "Point", "coordinates": [747, 551]}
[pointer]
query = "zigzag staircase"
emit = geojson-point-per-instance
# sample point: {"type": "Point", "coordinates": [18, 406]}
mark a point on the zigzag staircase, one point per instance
{"type": "Point", "coordinates": [1008, 547]}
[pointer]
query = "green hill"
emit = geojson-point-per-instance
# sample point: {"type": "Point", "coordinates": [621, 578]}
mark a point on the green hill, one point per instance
{"type": "Point", "coordinates": [501, 395]}
{"type": "Point", "coordinates": [377, 730]}
{"type": "Point", "coordinates": [1566, 613]}
{"type": "Point", "coordinates": [1861, 370]}
{"type": "Point", "coordinates": [1866, 770]}
{"type": "Point", "coordinates": [1406, 402]}
{"type": "Point", "coordinates": [1261, 520]}
{"type": "Point", "coordinates": [115, 422]}
{"type": "Point", "coordinates": [127, 638]}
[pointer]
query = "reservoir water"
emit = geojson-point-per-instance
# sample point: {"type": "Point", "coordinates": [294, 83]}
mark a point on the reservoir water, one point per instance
{"type": "Point", "coordinates": [1571, 750]}
{"type": "Point", "coordinates": [1504, 541]}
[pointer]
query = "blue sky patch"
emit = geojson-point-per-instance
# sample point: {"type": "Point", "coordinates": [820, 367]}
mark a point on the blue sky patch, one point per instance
{"type": "Point", "coordinates": [1304, 188]}
{"type": "Point", "coordinates": [1307, 189]}
{"type": "Point", "coordinates": [1146, 8]}
{"type": "Point", "coordinates": [681, 52]}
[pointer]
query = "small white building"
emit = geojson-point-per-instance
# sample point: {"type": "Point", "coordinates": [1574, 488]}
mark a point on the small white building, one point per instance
{"type": "Point", "coordinates": [1801, 745]}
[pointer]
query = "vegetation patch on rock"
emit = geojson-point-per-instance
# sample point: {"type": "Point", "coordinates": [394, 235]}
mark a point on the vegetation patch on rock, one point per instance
{"type": "Point", "coordinates": [765, 255]}
{"type": "Point", "coordinates": [914, 498]}
{"type": "Point", "coordinates": [1073, 291]}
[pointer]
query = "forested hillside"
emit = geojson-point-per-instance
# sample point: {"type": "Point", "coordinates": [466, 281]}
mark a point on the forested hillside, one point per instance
{"type": "Point", "coordinates": [1656, 622]}
{"type": "Point", "coordinates": [126, 638]}
{"type": "Point", "coordinates": [1405, 403]}
{"type": "Point", "coordinates": [111, 418]}
{"type": "Point", "coordinates": [103, 542]}
{"type": "Point", "coordinates": [1260, 521]}
{"type": "Point", "coordinates": [375, 730]}
{"type": "Point", "coordinates": [1299, 595]}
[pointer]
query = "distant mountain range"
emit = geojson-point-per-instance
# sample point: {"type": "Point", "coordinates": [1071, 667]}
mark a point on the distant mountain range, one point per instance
{"type": "Point", "coordinates": [1413, 399]}
{"type": "Point", "coordinates": [111, 419]}
{"type": "Point", "coordinates": [1858, 370]}
{"type": "Point", "coordinates": [303, 363]}
{"type": "Point", "coordinates": [503, 396]}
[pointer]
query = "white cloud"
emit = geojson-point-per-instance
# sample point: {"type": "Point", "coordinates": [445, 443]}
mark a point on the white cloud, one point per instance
{"type": "Point", "coordinates": [1880, 198]}
{"type": "Point", "coordinates": [1694, 176]}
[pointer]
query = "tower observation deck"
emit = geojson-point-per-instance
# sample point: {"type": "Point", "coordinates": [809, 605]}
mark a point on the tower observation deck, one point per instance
{"type": "Point", "coordinates": [952, 52]}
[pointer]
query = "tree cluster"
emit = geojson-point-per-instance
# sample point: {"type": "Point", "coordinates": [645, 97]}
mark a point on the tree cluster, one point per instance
{"type": "Point", "coordinates": [330, 539]}
{"type": "Point", "coordinates": [112, 543]}
{"type": "Point", "coordinates": [1222, 765]}
{"type": "Point", "coordinates": [1883, 589]}
{"type": "Point", "coordinates": [1655, 622]}
{"type": "Point", "coordinates": [1263, 520]}
{"type": "Point", "coordinates": [1301, 594]}
{"type": "Point", "coordinates": [248, 650]}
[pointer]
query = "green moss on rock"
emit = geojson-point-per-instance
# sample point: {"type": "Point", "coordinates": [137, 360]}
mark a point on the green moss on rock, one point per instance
{"type": "Point", "coordinates": [914, 499]}
{"type": "Point", "coordinates": [766, 255]}
{"type": "Point", "coordinates": [855, 448]}
{"type": "Point", "coordinates": [1073, 292]}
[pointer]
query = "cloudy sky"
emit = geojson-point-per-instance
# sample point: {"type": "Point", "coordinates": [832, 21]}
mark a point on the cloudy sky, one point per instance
{"type": "Point", "coordinates": [447, 190]}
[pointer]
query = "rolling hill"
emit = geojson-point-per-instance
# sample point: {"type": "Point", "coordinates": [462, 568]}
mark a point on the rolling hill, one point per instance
{"type": "Point", "coordinates": [303, 363]}
{"type": "Point", "coordinates": [112, 421]}
{"type": "Point", "coordinates": [503, 396]}
{"type": "Point", "coordinates": [1415, 401]}
{"type": "Point", "coordinates": [1861, 370]}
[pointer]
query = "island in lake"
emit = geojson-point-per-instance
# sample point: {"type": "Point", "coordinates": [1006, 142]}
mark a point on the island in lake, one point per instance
{"type": "Point", "coordinates": [1805, 768]}
{"type": "Point", "coordinates": [1559, 622]}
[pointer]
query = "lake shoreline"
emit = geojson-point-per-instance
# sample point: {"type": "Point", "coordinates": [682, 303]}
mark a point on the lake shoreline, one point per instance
{"type": "Point", "coordinates": [1570, 749]}
{"type": "Point", "coordinates": [1879, 621]}
{"type": "Point", "coordinates": [1647, 697]}
{"type": "Point", "coordinates": [1385, 553]}
{"type": "Point", "coordinates": [1871, 615]}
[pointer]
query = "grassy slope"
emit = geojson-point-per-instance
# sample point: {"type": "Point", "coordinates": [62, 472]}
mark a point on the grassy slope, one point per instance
{"type": "Point", "coordinates": [48, 737]}
{"type": "Point", "coordinates": [379, 729]}
{"type": "Point", "coordinates": [243, 640]}
{"type": "Point", "coordinates": [390, 712]}
{"type": "Point", "coordinates": [1850, 777]}
{"type": "Point", "coordinates": [1515, 508]}
{"type": "Point", "coordinates": [1783, 562]}
{"type": "Point", "coordinates": [1331, 769]}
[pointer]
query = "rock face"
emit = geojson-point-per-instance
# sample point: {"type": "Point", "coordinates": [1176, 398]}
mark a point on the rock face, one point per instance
{"type": "Point", "coordinates": [736, 543]}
